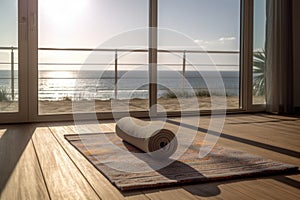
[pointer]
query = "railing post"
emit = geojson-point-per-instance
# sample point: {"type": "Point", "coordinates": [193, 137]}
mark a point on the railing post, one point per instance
{"type": "Point", "coordinates": [152, 56]}
{"type": "Point", "coordinates": [12, 73]}
{"type": "Point", "coordinates": [183, 73]}
{"type": "Point", "coordinates": [116, 74]}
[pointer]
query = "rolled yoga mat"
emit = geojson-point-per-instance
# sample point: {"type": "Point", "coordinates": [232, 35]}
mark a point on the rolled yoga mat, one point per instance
{"type": "Point", "coordinates": [155, 137]}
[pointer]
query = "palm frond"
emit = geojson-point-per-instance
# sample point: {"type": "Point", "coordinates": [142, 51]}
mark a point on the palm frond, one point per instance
{"type": "Point", "coordinates": [259, 59]}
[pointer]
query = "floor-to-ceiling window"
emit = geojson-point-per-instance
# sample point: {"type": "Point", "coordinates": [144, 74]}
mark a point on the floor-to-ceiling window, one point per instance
{"type": "Point", "coordinates": [9, 56]}
{"type": "Point", "coordinates": [92, 51]}
{"type": "Point", "coordinates": [200, 43]}
{"type": "Point", "coordinates": [94, 55]}
{"type": "Point", "coordinates": [13, 61]}
{"type": "Point", "coordinates": [196, 39]}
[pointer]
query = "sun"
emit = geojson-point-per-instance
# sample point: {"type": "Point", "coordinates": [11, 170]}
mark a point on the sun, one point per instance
{"type": "Point", "coordinates": [62, 10]}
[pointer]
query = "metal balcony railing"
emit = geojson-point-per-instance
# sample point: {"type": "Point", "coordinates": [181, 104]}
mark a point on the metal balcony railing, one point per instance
{"type": "Point", "coordinates": [12, 68]}
{"type": "Point", "coordinates": [116, 61]}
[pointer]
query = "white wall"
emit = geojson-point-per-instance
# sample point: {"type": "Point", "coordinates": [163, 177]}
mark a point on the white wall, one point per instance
{"type": "Point", "coordinates": [296, 42]}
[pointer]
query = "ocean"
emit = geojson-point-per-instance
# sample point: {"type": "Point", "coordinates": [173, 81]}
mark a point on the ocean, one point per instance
{"type": "Point", "coordinates": [72, 84]}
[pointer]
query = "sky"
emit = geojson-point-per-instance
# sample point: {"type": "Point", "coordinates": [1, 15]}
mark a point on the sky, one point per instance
{"type": "Point", "coordinates": [211, 24]}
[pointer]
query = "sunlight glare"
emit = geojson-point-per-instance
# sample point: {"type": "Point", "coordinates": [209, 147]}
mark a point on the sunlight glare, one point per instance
{"type": "Point", "coordinates": [60, 74]}
{"type": "Point", "coordinates": [58, 10]}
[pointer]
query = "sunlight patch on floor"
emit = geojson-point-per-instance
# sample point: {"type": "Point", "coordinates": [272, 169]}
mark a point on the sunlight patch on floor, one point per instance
{"type": "Point", "coordinates": [2, 131]}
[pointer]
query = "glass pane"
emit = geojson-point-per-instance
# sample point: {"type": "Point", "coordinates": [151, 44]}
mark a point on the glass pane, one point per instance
{"type": "Point", "coordinates": [199, 43]}
{"type": "Point", "coordinates": [78, 72]}
{"type": "Point", "coordinates": [9, 56]}
{"type": "Point", "coordinates": [259, 52]}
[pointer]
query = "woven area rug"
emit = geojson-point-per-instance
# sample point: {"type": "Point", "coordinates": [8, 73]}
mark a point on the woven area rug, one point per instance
{"type": "Point", "coordinates": [220, 164]}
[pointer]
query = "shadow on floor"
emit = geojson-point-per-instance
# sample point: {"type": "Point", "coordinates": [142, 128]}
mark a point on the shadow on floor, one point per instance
{"type": "Point", "coordinates": [12, 145]}
{"type": "Point", "coordinates": [212, 189]}
{"type": "Point", "coordinates": [288, 181]}
{"type": "Point", "coordinates": [267, 119]}
{"type": "Point", "coordinates": [208, 189]}
{"type": "Point", "coordinates": [280, 150]}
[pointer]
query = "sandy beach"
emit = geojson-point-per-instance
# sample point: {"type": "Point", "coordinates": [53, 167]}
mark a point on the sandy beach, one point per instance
{"type": "Point", "coordinates": [169, 104]}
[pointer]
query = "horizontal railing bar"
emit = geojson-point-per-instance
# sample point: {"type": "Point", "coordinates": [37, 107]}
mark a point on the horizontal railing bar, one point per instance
{"type": "Point", "coordinates": [96, 90]}
{"type": "Point", "coordinates": [127, 78]}
{"type": "Point", "coordinates": [88, 49]}
{"type": "Point", "coordinates": [208, 65]}
{"type": "Point", "coordinates": [4, 78]}
{"type": "Point", "coordinates": [87, 64]}
{"type": "Point", "coordinates": [7, 63]}
{"type": "Point", "coordinates": [139, 50]}
{"type": "Point", "coordinates": [8, 48]}
{"type": "Point", "coordinates": [128, 50]}
{"type": "Point", "coordinates": [197, 51]}
{"type": "Point", "coordinates": [172, 64]}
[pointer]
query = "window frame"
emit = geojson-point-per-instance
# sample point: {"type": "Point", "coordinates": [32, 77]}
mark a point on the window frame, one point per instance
{"type": "Point", "coordinates": [22, 114]}
{"type": "Point", "coordinates": [28, 67]}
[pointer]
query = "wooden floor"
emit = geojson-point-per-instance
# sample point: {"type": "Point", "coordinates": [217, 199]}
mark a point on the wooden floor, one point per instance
{"type": "Point", "coordinates": [36, 162]}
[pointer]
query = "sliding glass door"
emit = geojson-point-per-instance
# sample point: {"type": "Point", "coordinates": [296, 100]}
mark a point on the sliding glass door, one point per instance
{"type": "Point", "coordinates": [87, 56]}
{"type": "Point", "coordinates": [59, 57]}
{"type": "Point", "coordinates": [9, 56]}
{"type": "Point", "coordinates": [12, 60]}
{"type": "Point", "coordinates": [199, 47]}
{"type": "Point", "coordinates": [80, 60]}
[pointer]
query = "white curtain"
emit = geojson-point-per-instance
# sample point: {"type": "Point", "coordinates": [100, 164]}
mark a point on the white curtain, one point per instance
{"type": "Point", "coordinates": [279, 66]}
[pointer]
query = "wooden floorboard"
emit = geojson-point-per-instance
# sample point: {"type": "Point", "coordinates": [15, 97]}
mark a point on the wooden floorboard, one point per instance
{"type": "Point", "coordinates": [175, 193]}
{"type": "Point", "coordinates": [100, 184]}
{"type": "Point", "coordinates": [258, 188]}
{"type": "Point", "coordinates": [41, 164]}
{"type": "Point", "coordinates": [21, 176]}
{"type": "Point", "coordinates": [63, 179]}
{"type": "Point", "coordinates": [282, 188]}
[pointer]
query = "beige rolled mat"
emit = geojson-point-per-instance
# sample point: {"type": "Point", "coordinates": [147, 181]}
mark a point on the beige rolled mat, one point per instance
{"type": "Point", "coordinates": [155, 137]}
